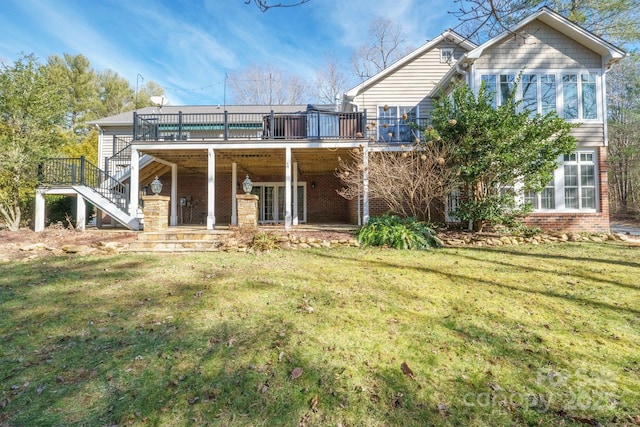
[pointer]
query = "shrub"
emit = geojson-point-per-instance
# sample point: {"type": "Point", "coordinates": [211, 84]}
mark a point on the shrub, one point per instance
{"type": "Point", "coordinates": [398, 233]}
{"type": "Point", "coordinates": [263, 242]}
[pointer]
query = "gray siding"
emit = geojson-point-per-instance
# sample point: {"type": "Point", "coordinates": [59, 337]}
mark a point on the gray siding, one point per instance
{"type": "Point", "coordinates": [409, 85]}
{"type": "Point", "coordinates": [538, 46]}
{"type": "Point", "coordinates": [589, 134]}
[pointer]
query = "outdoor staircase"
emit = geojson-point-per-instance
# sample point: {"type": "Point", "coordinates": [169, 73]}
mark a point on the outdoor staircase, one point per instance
{"type": "Point", "coordinates": [108, 194]}
{"type": "Point", "coordinates": [182, 240]}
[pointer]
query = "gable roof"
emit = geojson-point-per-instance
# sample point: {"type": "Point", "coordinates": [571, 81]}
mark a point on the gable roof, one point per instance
{"type": "Point", "coordinates": [561, 24]}
{"type": "Point", "coordinates": [609, 53]}
{"type": "Point", "coordinates": [448, 35]}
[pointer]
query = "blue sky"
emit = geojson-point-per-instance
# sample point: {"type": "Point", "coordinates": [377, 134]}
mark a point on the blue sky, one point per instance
{"type": "Point", "coordinates": [187, 46]}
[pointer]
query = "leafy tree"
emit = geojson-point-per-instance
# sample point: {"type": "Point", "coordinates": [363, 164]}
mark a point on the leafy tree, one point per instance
{"type": "Point", "coordinates": [32, 113]}
{"type": "Point", "coordinates": [80, 83]}
{"type": "Point", "coordinates": [497, 150]}
{"type": "Point", "coordinates": [87, 147]}
{"type": "Point", "coordinates": [623, 99]}
{"type": "Point", "coordinates": [115, 94]}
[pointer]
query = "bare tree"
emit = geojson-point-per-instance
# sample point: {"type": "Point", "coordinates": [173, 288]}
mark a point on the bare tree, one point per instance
{"type": "Point", "coordinates": [388, 44]}
{"type": "Point", "coordinates": [329, 82]}
{"type": "Point", "coordinates": [259, 85]}
{"type": "Point", "coordinates": [264, 5]}
{"type": "Point", "coordinates": [408, 181]}
{"type": "Point", "coordinates": [616, 21]}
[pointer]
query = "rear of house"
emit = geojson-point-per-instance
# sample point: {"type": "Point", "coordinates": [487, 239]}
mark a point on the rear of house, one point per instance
{"type": "Point", "coordinates": [203, 153]}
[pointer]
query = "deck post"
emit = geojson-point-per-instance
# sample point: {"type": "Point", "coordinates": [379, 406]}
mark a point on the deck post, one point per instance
{"type": "Point", "coordinates": [234, 193]}
{"type": "Point", "coordinates": [365, 185]}
{"type": "Point", "coordinates": [40, 211]}
{"type": "Point", "coordinates": [173, 218]}
{"type": "Point", "coordinates": [81, 213]}
{"type": "Point", "coordinates": [134, 191]}
{"type": "Point", "coordinates": [295, 193]}
{"type": "Point", "coordinates": [211, 188]}
{"type": "Point", "coordinates": [287, 189]}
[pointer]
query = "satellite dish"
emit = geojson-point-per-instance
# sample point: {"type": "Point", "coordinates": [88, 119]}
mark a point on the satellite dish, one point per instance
{"type": "Point", "coordinates": [159, 100]}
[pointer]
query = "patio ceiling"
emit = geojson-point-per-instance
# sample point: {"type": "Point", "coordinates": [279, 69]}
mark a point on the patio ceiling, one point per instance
{"type": "Point", "coordinates": [311, 161]}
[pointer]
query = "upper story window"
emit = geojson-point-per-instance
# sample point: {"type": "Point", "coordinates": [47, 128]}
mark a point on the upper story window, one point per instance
{"type": "Point", "coordinates": [393, 123]}
{"type": "Point", "coordinates": [446, 55]}
{"type": "Point", "coordinates": [574, 95]}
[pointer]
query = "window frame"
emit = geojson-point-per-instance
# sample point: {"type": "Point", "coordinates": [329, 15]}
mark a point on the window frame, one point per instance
{"type": "Point", "coordinates": [559, 74]}
{"type": "Point", "coordinates": [559, 186]}
{"type": "Point", "coordinates": [396, 125]}
{"type": "Point", "coordinates": [446, 55]}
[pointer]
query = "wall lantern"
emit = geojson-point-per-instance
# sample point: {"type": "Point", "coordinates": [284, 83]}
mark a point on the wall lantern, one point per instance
{"type": "Point", "coordinates": [156, 186]}
{"type": "Point", "coordinates": [247, 185]}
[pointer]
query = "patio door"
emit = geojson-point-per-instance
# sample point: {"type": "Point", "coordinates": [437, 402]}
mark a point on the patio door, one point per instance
{"type": "Point", "coordinates": [271, 202]}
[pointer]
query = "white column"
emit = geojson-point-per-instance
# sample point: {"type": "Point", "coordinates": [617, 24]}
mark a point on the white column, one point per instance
{"type": "Point", "coordinates": [365, 185]}
{"type": "Point", "coordinates": [287, 189]}
{"type": "Point", "coordinates": [234, 193]}
{"type": "Point", "coordinates": [173, 216]}
{"type": "Point", "coordinates": [295, 193]}
{"type": "Point", "coordinates": [134, 183]}
{"type": "Point", "coordinates": [81, 213]}
{"type": "Point", "coordinates": [211, 189]}
{"type": "Point", "coordinates": [40, 211]}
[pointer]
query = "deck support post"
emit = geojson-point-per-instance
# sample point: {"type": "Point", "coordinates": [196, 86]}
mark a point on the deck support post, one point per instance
{"type": "Point", "coordinates": [365, 185]}
{"type": "Point", "coordinates": [287, 189]}
{"type": "Point", "coordinates": [295, 193]}
{"type": "Point", "coordinates": [211, 188]}
{"type": "Point", "coordinates": [134, 183]}
{"type": "Point", "coordinates": [234, 193]}
{"type": "Point", "coordinates": [173, 218]}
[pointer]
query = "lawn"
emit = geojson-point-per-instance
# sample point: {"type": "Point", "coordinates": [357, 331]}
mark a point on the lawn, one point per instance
{"type": "Point", "coordinates": [524, 335]}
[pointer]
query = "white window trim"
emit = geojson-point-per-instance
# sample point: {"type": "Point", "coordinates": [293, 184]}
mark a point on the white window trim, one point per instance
{"type": "Point", "coordinates": [277, 184]}
{"type": "Point", "coordinates": [381, 133]}
{"type": "Point", "coordinates": [558, 185]}
{"type": "Point", "coordinates": [449, 59]}
{"type": "Point", "coordinates": [477, 81]}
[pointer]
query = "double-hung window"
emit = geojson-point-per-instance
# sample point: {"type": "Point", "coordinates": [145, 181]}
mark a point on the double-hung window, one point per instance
{"type": "Point", "coordinates": [499, 86]}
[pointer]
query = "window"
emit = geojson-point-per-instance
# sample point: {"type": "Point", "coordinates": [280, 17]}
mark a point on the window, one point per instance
{"type": "Point", "coordinates": [499, 85]}
{"type": "Point", "coordinates": [579, 181]}
{"type": "Point", "coordinates": [539, 93]}
{"type": "Point", "coordinates": [393, 123]}
{"type": "Point", "coordinates": [574, 186]}
{"type": "Point", "coordinates": [446, 55]}
{"type": "Point", "coordinates": [574, 95]}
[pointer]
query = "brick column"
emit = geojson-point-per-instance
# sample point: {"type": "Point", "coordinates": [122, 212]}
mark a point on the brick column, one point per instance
{"type": "Point", "coordinates": [156, 213]}
{"type": "Point", "coordinates": [247, 211]}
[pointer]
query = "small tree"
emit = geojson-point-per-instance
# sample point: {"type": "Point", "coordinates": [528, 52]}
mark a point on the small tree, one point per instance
{"type": "Point", "coordinates": [32, 112]}
{"type": "Point", "coordinates": [409, 181]}
{"type": "Point", "coordinates": [498, 150]}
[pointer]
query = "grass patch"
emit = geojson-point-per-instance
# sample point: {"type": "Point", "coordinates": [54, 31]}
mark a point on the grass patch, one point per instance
{"type": "Point", "coordinates": [523, 335]}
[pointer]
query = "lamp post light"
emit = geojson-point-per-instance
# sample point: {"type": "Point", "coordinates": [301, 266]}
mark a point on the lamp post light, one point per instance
{"type": "Point", "coordinates": [247, 185]}
{"type": "Point", "coordinates": [156, 186]}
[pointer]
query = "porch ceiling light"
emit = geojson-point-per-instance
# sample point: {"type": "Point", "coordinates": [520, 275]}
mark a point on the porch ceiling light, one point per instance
{"type": "Point", "coordinates": [247, 185]}
{"type": "Point", "coordinates": [156, 186]}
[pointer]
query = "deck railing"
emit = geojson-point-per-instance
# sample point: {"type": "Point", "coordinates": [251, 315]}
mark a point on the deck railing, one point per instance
{"type": "Point", "coordinates": [307, 125]}
{"type": "Point", "coordinates": [80, 171]}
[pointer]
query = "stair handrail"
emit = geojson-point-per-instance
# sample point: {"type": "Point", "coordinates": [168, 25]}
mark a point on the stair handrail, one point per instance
{"type": "Point", "coordinates": [71, 171]}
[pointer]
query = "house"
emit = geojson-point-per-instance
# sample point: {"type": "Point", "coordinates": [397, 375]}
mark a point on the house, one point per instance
{"type": "Point", "coordinates": [290, 153]}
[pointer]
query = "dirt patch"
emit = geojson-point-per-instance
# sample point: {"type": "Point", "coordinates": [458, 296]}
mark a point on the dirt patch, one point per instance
{"type": "Point", "coordinates": [27, 244]}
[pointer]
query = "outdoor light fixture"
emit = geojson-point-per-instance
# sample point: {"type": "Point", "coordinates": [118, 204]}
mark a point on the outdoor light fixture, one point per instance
{"type": "Point", "coordinates": [247, 185]}
{"type": "Point", "coordinates": [156, 186]}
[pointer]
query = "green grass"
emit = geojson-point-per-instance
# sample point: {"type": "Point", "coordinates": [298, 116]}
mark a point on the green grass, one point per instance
{"type": "Point", "coordinates": [546, 335]}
